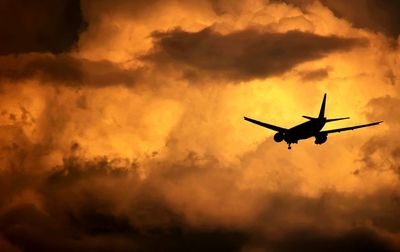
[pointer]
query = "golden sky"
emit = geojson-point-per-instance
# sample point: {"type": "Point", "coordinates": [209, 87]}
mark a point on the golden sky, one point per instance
{"type": "Point", "coordinates": [121, 125]}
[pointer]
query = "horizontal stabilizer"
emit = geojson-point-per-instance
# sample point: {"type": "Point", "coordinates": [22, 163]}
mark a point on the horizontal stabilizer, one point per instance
{"type": "Point", "coordinates": [337, 119]}
{"type": "Point", "coordinates": [309, 117]}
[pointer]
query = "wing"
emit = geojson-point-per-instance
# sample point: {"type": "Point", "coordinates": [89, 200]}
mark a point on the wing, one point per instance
{"type": "Point", "coordinates": [266, 125]}
{"type": "Point", "coordinates": [350, 128]}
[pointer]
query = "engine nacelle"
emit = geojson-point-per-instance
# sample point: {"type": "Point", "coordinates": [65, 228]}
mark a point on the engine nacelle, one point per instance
{"type": "Point", "coordinates": [278, 137]}
{"type": "Point", "coordinates": [321, 138]}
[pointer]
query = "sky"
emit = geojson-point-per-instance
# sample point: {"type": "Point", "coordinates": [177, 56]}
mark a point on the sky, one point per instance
{"type": "Point", "coordinates": [121, 125]}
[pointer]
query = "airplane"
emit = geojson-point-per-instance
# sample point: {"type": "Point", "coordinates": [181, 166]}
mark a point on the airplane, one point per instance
{"type": "Point", "coordinates": [311, 128]}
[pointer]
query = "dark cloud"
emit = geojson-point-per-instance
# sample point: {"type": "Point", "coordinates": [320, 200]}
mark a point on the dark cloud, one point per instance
{"type": "Point", "coordinates": [32, 235]}
{"type": "Point", "coordinates": [352, 241]}
{"type": "Point", "coordinates": [221, 7]}
{"type": "Point", "coordinates": [376, 15]}
{"type": "Point", "coordinates": [80, 213]}
{"type": "Point", "coordinates": [316, 75]}
{"type": "Point", "coordinates": [39, 25]}
{"type": "Point", "coordinates": [94, 11]}
{"type": "Point", "coordinates": [65, 69]}
{"type": "Point", "coordinates": [299, 3]}
{"type": "Point", "coordinates": [243, 55]}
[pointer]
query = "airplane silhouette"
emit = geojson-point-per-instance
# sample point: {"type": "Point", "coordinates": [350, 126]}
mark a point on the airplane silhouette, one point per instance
{"type": "Point", "coordinates": [311, 128]}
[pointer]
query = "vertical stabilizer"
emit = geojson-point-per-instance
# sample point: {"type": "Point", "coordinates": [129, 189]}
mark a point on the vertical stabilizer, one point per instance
{"type": "Point", "coordinates": [322, 111]}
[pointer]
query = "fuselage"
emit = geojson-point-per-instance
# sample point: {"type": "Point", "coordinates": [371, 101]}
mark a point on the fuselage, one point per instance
{"type": "Point", "coordinates": [311, 128]}
{"type": "Point", "coordinates": [305, 130]}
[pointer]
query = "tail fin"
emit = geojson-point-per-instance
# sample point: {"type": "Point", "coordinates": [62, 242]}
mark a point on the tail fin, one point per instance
{"type": "Point", "coordinates": [322, 110]}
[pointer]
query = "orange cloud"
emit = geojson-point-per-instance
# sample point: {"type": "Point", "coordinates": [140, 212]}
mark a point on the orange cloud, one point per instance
{"type": "Point", "coordinates": [132, 137]}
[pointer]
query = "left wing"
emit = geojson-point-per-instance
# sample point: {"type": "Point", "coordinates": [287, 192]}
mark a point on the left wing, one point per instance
{"type": "Point", "coordinates": [350, 128]}
{"type": "Point", "coordinates": [266, 125]}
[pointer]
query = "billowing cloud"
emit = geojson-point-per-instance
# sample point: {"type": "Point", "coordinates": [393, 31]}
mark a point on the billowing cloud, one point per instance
{"type": "Point", "coordinates": [375, 15]}
{"type": "Point", "coordinates": [103, 204]}
{"type": "Point", "coordinates": [107, 143]}
{"type": "Point", "coordinates": [382, 152]}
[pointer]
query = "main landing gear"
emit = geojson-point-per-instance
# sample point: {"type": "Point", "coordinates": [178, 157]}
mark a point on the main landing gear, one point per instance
{"type": "Point", "coordinates": [292, 141]}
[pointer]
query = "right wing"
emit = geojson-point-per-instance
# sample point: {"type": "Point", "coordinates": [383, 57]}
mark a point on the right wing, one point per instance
{"type": "Point", "coordinates": [266, 125]}
{"type": "Point", "coordinates": [350, 128]}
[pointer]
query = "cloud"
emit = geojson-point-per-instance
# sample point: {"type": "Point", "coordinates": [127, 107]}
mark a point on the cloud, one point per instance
{"type": "Point", "coordinates": [93, 11]}
{"type": "Point", "coordinates": [66, 69]}
{"type": "Point", "coordinates": [131, 213]}
{"type": "Point", "coordinates": [355, 240]}
{"type": "Point", "coordinates": [315, 75]}
{"type": "Point", "coordinates": [246, 54]}
{"type": "Point", "coordinates": [101, 204]}
{"type": "Point", "coordinates": [375, 15]}
{"type": "Point", "coordinates": [152, 162]}
{"type": "Point", "coordinates": [39, 26]}
{"type": "Point", "coordinates": [382, 152]}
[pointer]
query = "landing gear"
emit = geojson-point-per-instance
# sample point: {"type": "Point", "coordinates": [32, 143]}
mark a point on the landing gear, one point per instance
{"type": "Point", "coordinates": [289, 147]}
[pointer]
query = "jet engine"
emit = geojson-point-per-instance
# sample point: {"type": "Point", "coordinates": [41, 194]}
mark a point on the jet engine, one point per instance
{"type": "Point", "coordinates": [278, 137]}
{"type": "Point", "coordinates": [321, 138]}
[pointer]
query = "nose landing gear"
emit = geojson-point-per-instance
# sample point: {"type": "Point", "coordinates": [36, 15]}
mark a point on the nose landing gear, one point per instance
{"type": "Point", "coordinates": [289, 147]}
